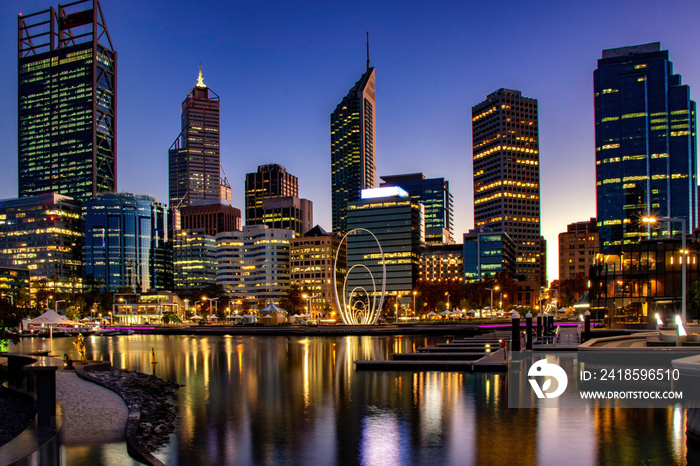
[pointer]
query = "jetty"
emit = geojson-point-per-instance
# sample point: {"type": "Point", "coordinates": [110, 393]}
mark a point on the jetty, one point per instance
{"type": "Point", "coordinates": [481, 353]}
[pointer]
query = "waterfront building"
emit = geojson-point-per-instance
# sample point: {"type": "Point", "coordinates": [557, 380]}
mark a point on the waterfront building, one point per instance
{"type": "Point", "coordinates": [578, 247]}
{"type": "Point", "coordinates": [311, 264]}
{"type": "Point", "coordinates": [353, 156]}
{"type": "Point", "coordinates": [13, 282]}
{"type": "Point", "coordinates": [43, 233]}
{"type": "Point", "coordinates": [209, 218]}
{"type": "Point", "coordinates": [194, 260]}
{"type": "Point", "coordinates": [507, 175]}
{"type": "Point", "coordinates": [66, 102]}
{"type": "Point", "coordinates": [646, 149]}
{"type": "Point", "coordinates": [647, 279]}
{"type": "Point", "coordinates": [270, 181]}
{"type": "Point", "coordinates": [253, 264]}
{"type": "Point", "coordinates": [488, 252]}
{"type": "Point", "coordinates": [146, 308]}
{"type": "Point", "coordinates": [442, 262]}
{"type": "Point", "coordinates": [125, 242]}
{"type": "Point", "coordinates": [288, 213]}
{"type": "Point", "coordinates": [194, 162]}
{"type": "Point", "coordinates": [434, 194]}
{"type": "Point", "coordinates": [397, 222]}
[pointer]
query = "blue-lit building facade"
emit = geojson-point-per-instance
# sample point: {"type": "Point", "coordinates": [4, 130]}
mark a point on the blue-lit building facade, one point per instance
{"type": "Point", "coordinates": [353, 152]}
{"type": "Point", "coordinates": [645, 146]}
{"type": "Point", "coordinates": [434, 194]}
{"type": "Point", "coordinates": [486, 253]}
{"type": "Point", "coordinates": [397, 222]}
{"type": "Point", "coordinates": [125, 243]}
{"type": "Point", "coordinates": [66, 102]}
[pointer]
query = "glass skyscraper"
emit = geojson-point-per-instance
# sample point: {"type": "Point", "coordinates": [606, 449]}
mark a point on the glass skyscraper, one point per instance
{"type": "Point", "coordinates": [506, 160]}
{"type": "Point", "coordinates": [67, 102]}
{"type": "Point", "coordinates": [645, 145]}
{"type": "Point", "coordinates": [125, 236]}
{"type": "Point", "coordinates": [353, 162]}
{"type": "Point", "coordinates": [397, 222]}
{"type": "Point", "coordinates": [434, 194]}
{"type": "Point", "coordinates": [194, 161]}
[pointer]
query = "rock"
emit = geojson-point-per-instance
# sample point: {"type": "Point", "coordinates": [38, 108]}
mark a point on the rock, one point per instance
{"type": "Point", "coordinates": [146, 392]}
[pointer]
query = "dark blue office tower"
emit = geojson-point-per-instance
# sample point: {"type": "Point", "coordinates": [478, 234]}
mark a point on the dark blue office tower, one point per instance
{"type": "Point", "coordinates": [645, 145]}
{"type": "Point", "coordinates": [434, 194]}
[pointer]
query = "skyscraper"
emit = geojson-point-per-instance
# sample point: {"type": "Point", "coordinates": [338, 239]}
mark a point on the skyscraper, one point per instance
{"type": "Point", "coordinates": [270, 181]}
{"type": "Point", "coordinates": [434, 194]}
{"type": "Point", "coordinates": [353, 164]}
{"type": "Point", "coordinates": [645, 145]}
{"type": "Point", "coordinates": [125, 240]}
{"type": "Point", "coordinates": [396, 221]}
{"type": "Point", "coordinates": [507, 175]}
{"type": "Point", "coordinates": [67, 102]}
{"type": "Point", "coordinates": [193, 159]}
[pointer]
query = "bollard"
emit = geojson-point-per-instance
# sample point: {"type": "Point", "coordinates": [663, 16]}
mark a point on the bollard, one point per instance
{"type": "Point", "coordinates": [528, 331]}
{"type": "Point", "coordinates": [539, 325]}
{"type": "Point", "coordinates": [515, 331]}
{"type": "Point", "coordinates": [586, 325]}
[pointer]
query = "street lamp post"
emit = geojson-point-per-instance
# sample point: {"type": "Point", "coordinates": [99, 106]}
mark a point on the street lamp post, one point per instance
{"type": "Point", "coordinates": [213, 300]}
{"type": "Point", "coordinates": [496, 288]}
{"type": "Point", "coordinates": [55, 304]}
{"type": "Point", "coordinates": [414, 305]}
{"type": "Point", "coordinates": [684, 259]}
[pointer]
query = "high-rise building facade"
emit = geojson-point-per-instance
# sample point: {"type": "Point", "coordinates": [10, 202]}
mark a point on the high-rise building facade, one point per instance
{"type": "Point", "coordinates": [67, 102]}
{"type": "Point", "coordinates": [434, 194]}
{"type": "Point", "coordinates": [646, 148]}
{"type": "Point", "coordinates": [288, 213]}
{"type": "Point", "coordinates": [506, 165]}
{"type": "Point", "coordinates": [253, 264]}
{"type": "Point", "coordinates": [312, 258]}
{"type": "Point", "coordinates": [194, 163]}
{"type": "Point", "coordinates": [578, 247]}
{"type": "Point", "coordinates": [125, 242]}
{"type": "Point", "coordinates": [270, 181]}
{"type": "Point", "coordinates": [353, 148]}
{"type": "Point", "coordinates": [487, 253]}
{"type": "Point", "coordinates": [396, 221]}
{"type": "Point", "coordinates": [194, 260]}
{"type": "Point", "coordinates": [43, 233]}
{"type": "Point", "coordinates": [210, 219]}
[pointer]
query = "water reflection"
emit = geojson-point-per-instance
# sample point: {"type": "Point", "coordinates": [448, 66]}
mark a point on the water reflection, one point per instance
{"type": "Point", "coordinates": [269, 400]}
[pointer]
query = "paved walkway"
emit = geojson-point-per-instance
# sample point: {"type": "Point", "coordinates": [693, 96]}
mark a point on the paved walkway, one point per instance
{"type": "Point", "coordinates": [93, 414]}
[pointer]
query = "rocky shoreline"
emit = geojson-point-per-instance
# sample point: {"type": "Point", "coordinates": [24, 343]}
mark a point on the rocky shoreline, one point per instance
{"type": "Point", "coordinates": [153, 396]}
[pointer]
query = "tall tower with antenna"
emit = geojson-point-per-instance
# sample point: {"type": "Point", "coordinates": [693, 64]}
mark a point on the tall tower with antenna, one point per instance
{"type": "Point", "coordinates": [353, 157]}
{"type": "Point", "coordinates": [194, 159]}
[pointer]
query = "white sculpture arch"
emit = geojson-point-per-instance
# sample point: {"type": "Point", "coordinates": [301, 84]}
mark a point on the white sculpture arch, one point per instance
{"type": "Point", "coordinates": [348, 311]}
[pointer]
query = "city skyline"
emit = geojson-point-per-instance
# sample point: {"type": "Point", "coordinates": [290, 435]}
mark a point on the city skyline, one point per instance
{"type": "Point", "coordinates": [426, 84]}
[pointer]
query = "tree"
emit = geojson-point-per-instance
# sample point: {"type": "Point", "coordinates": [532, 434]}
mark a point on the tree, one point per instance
{"type": "Point", "coordinates": [694, 297]}
{"type": "Point", "coordinates": [10, 319]}
{"type": "Point", "coordinates": [294, 301]}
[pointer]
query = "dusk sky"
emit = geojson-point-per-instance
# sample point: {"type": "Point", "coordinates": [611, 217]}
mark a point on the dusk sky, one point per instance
{"type": "Point", "coordinates": [281, 68]}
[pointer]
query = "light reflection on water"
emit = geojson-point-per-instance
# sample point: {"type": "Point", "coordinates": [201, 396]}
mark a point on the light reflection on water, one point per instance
{"type": "Point", "coordinates": [271, 400]}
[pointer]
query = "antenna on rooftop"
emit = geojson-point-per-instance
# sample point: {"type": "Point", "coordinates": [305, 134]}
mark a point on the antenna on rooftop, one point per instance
{"type": "Point", "coordinates": [367, 50]}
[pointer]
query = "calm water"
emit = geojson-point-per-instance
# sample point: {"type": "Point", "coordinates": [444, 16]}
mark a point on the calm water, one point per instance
{"type": "Point", "coordinates": [292, 400]}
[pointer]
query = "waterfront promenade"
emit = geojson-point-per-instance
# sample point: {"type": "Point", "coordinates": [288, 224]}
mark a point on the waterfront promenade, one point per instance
{"type": "Point", "coordinates": [93, 414]}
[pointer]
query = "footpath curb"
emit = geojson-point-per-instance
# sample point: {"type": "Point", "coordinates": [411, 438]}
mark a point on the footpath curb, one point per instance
{"type": "Point", "coordinates": [135, 449]}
